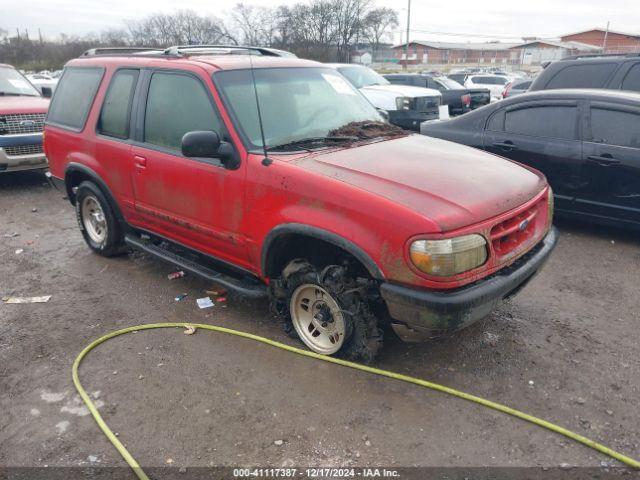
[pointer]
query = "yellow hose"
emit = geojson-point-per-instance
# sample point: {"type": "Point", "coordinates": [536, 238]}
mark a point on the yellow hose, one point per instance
{"type": "Point", "coordinates": [385, 373]}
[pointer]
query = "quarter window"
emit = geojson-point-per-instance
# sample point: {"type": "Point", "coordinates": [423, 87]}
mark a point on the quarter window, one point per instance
{"type": "Point", "coordinates": [548, 121]}
{"type": "Point", "coordinates": [116, 109]}
{"type": "Point", "coordinates": [614, 127]}
{"type": "Point", "coordinates": [177, 104]}
{"type": "Point", "coordinates": [632, 80]}
{"type": "Point", "coordinates": [74, 95]}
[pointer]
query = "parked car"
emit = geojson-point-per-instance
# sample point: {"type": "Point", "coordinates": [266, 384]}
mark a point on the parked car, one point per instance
{"type": "Point", "coordinates": [454, 95]}
{"type": "Point", "coordinates": [406, 106]}
{"type": "Point", "coordinates": [587, 143]}
{"type": "Point", "coordinates": [613, 72]}
{"type": "Point", "coordinates": [22, 112]}
{"type": "Point", "coordinates": [479, 96]}
{"type": "Point", "coordinates": [495, 84]}
{"type": "Point", "coordinates": [314, 202]}
{"type": "Point", "coordinates": [516, 87]}
{"type": "Point", "coordinates": [43, 82]}
{"type": "Point", "coordinates": [458, 77]}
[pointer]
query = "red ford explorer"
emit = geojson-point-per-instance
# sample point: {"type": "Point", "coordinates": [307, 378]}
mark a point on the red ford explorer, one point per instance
{"type": "Point", "coordinates": [22, 112]}
{"type": "Point", "coordinates": [273, 176]}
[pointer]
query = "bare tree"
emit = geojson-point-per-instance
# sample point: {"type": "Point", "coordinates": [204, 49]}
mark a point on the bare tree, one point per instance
{"type": "Point", "coordinates": [377, 24]}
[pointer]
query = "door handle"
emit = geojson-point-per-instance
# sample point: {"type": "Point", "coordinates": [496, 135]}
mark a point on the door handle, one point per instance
{"type": "Point", "coordinates": [140, 162]}
{"type": "Point", "coordinates": [507, 145]}
{"type": "Point", "coordinates": [604, 160]}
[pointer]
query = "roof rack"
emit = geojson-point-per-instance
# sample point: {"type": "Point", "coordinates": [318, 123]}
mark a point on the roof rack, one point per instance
{"type": "Point", "coordinates": [598, 55]}
{"type": "Point", "coordinates": [246, 50]}
{"type": "Point", "coordinates": [119, 51]}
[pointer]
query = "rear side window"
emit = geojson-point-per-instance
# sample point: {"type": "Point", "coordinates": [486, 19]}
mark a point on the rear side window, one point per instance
{"type": "Point", "coordinates": [614, 127]}
{"type": "Point", "coordinates": [544, 121]}
{"type": "Point", "coordinates": [582, 76]}
{"type": "Point", "coordinates": [116, 109]}
{"type": "Point", "coordinates": [73, 97]}
{"type": "Point", "coordinates": [632, 79]}
{"type": "Point", "coordinates": [177, 104]}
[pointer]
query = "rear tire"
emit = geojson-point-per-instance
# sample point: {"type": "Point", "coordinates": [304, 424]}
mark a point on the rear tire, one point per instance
{"type": "Point", "coordinates": [328, 311]}
{"type": "Point", "coordinates": [98, 224]}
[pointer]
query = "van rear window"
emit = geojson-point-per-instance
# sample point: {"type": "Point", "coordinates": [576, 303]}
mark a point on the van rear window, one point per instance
{"type": "Point", "coordinates": [73, 97]}
{"type": "Point", "coordinates": [592, 75]}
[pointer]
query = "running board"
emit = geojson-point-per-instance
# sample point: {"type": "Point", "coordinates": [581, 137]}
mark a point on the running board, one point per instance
{"type": "Point", "coordinates": [246, 288]}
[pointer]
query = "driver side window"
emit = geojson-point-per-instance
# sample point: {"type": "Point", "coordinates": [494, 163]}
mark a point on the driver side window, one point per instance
{"type": "Point", "coordinates": [177, 104]}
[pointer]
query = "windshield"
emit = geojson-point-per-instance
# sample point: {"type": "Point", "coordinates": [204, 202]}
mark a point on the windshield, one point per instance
{"type": "Point", "coordinates": [13, 83]}
{"type": "Point", "coordinates": [448, 83]}
{"type": "Point", "coordinates": [362, 76]}
{"type": "Point", "coordinates": [295, 103]}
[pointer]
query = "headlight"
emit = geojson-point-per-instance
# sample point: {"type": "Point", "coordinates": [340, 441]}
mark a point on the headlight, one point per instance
{"type": "Point", "coordinates": [445, 258]}
{"type": "Point", "coordinates": [403, 103]}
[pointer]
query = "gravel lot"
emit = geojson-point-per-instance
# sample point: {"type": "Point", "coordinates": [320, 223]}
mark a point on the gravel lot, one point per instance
{"type": "Point", "coordinates": [565, 349]}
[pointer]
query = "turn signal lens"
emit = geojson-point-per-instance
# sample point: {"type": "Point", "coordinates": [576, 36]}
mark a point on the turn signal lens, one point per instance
{"type": "Point", "coordinates": [551, 207]}
{"type": "Point", "coordinates": [445, 258]}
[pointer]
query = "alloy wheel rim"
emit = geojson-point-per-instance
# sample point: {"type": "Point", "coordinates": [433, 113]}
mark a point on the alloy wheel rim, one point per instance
{"type": "Point", "coordinates": [318, 319]}
{"type": "Point", "coordinates": [93, 219]}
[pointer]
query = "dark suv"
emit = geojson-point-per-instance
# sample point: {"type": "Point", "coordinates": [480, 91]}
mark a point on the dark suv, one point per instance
{"type": "Point", "coordinates": [613, 72]}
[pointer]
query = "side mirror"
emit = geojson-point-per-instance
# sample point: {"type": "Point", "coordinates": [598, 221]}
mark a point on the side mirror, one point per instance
{"type": "Point", "coordinates": [384, 114]}
{"type": "Point", "coordinates": [207, 144]}
{"type": "Point", "coordinates": [47, 92]}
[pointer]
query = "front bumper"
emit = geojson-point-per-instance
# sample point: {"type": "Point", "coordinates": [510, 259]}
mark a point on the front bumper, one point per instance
{"type": "Point", "coordinates": [422, 314]}
{"type": "Point", "coordinates": [28, 153]}
{"type": "Point", "coordinates": [411, 119]}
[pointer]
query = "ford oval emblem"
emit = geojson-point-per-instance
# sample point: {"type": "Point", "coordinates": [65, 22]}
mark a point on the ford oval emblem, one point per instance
{"type": "Point", "coordinates": [523, 225]}
{"type": "Point", "coordinates": [27, 123]}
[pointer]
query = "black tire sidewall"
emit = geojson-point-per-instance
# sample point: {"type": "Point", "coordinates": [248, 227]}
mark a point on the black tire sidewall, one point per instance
{"type": "Point", "coordinates": [113, 241]}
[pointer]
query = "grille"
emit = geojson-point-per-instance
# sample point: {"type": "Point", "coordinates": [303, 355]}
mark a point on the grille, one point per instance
{"type": "Point", "coordinates": [31, 123]}
{"type": "Point", "coordinates": [427, 104]}
{"type": "Point", "coordinates": [33, 149]}
{"type": "Point", "coordinates": [517, 230]}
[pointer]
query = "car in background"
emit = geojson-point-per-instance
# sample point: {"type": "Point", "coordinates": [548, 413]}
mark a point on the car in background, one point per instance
{"type": "Point", "coordinates": [495, 84]}
{"type": "Point", "coordinates": [454, 95]}
{"type": "Point", "coordinates": [407, 106]}
{"type": "Point", "coordinates": [516, 87]}
{"type": "Point", "coordinates": [22, 114]}
{"type": "Point", "coordinates": [586, 142]}
{"type": "Point", "coordinates": [43, 82]}
{"type": "Point", "coordinates": [612, 72]}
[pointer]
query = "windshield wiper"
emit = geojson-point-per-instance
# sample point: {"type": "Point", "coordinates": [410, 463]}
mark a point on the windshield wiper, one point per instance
{"type": "Point", "coordinates": [306, 143]}
{"type": "Point", "coordinates": [10, 94]}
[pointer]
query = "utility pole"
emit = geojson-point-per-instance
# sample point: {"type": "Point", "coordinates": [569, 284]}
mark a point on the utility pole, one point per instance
{"type": "Point", "coordinates": [406, 47]}
{"type": "Point", "coordinates": [604, 42]}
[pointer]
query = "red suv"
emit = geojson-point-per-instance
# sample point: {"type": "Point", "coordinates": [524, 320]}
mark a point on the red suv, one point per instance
{"type": "Point", "coordinates": [273, 176]}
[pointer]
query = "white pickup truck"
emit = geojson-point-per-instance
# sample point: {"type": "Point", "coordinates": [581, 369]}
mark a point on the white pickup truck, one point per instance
{"type": "Point", "coordinates": [407, 106]}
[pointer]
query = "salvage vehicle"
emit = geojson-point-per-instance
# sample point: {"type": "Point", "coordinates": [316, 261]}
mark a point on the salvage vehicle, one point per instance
{"type": "Point", "coordinates": [586, 142]}
{"type": "Point", "coordinates": [22, 112]}
{"type": "Point", "coordinates": [407, 106]}
{"type": "Point", "coordinates": [611, 71]}
{"type": "Point", "coordinates": [454, 95]}
{"type": "Point", "coordinates": [274, 176]}
{"type": "Point", "coordinates": [495, 84]}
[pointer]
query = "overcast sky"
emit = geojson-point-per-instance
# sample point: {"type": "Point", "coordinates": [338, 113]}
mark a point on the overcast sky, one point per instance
{"type": "Point", "coordinates": [499, 18]}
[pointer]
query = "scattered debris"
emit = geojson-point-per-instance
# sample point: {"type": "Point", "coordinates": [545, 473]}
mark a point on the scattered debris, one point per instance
{"type": "Point", "coordinates": [182, 470]}
{"type": "Point", "coordinates": [140, 377]}
{"type": "Point", "coordinates": [609, 412]}
{"type": "Point", "coordinates": [189, 330]}
{"type": "Point", "coordinates": [491, 339]}
{"type": "Point", "coordinates": [42, 299]}
{"type": "Point", "coordinates": [169, 461]}
{"type": "Point", "coordinates": [19, 251]}
{"type": "Point", "coordinates": [180, 297]}
{"type": "Point", "coordinates": [34, 210]}
{"type": "Point", "coordinates": [62, 427]}
{"type": "Point", "coordinates": [205, 302]}
{"type": "Point", "coordinates": [580, 401]}
{"type": "Point", "coordinates": [278, 442]}
{"type": "Point", "coordinates": [174, 275]}
{"type": "Point", "coordinates": [530, 382]}
{"type": "Point", "coordinates": [92, 458]}
{"type": "Point", "coordinates": [11, 235]}
{"type": "Point", "coordinates": [367, 443]}
{"type": "Point", "coordinates": [217, 292]}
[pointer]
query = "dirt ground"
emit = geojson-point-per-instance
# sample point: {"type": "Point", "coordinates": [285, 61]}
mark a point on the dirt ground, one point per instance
{"type": "Point", "coordinates": [565, 349]}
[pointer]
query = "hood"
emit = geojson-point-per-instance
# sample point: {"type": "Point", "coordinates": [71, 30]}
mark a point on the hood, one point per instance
{"type": "Point", "coordinates": [404, 90]}
{"type": "Point", "coordinates": [12, 104]}
{"type": "Point", "coordinates": [451, 184]}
